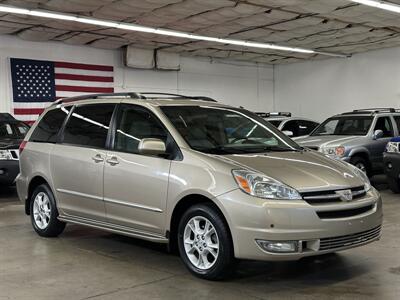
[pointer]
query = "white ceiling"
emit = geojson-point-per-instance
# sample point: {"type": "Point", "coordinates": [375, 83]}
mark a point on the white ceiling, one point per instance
{"type": "Point", "coordinates": [325, 25]}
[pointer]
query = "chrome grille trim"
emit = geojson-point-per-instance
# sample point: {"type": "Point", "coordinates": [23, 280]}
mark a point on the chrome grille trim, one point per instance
{"type": "Point", "coordinates": [350, 240]}
{"type": "Point", "coordinates": [331, 196]}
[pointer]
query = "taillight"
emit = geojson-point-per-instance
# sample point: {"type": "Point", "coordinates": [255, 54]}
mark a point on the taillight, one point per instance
{"type": "Point", "coordinates": [22, 146]}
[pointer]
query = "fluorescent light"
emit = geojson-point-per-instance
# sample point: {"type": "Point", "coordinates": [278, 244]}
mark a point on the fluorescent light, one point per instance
{"type": "Point", "coordinates": [380, 4]}
{"type": "Point", "coordinates": [160, 31]}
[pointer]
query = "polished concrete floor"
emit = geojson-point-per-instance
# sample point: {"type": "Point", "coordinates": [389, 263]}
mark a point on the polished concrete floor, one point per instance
{"type": "Point", "coordinates": [90, 264]}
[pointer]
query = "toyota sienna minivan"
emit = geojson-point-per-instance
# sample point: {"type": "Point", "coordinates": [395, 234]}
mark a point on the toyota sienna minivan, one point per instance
{"type": "Point", "coordinates": [215, 182]}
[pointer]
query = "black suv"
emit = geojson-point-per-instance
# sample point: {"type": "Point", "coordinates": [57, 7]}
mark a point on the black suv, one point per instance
{"type": "Point", "coordinates": [12, 133]}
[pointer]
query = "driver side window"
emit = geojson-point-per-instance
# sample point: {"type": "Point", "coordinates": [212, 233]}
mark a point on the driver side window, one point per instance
{"type": "Point", "coordinates": [384, 124]}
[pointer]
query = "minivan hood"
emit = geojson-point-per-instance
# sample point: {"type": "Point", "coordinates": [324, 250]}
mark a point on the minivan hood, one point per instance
{"type": "Point", "coordinates": [304, 171]}
{"type": "Point", "coordinates": [325, 140]}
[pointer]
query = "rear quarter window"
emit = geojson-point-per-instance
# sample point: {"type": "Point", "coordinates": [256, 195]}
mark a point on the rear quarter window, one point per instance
{"type": "Point", "coordinates": [49, 126]}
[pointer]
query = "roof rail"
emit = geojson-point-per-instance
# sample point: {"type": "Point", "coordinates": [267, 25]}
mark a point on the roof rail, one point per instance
{"type": "Point", "coordinates": [131, 95]}
{"type": "Point", "coordinates": [273, 114]}
{"type": "Point", "coordinates": [376, 110]}
{"type": "Point", "coordinates": [204, 98]}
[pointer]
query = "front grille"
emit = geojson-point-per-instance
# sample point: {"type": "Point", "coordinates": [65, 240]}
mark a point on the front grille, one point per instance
{"type": "Point", "coordinates": [346, 213]}
{"type": "Point", "coordinates": [349, 240]}
{"type": "Point", "coordinates": [325, 197]}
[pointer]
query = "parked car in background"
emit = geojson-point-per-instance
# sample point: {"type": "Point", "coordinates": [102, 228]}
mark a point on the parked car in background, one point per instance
{"type": "Point", "coordinates": [291, 126]}
{"type": "Point", "coordinates": [12, 133]}
{"type": "Point", "coordinates": [391, 159]}
{"type": "Point", "coordinates": [358, 137]}
{"type": "Point", "coordinates": [214, 181]}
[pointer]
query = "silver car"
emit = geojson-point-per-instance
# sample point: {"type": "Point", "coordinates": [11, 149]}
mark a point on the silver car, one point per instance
{"type": "Point", "coordinates": [215, 182]}
{"type": "Point", "coordinates": [358, 137]}
{"type": "Point", "coordinates": [291, 126]}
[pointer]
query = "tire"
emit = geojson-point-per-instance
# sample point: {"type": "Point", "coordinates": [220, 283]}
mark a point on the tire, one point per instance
{"type": "Point", "coordinates": [361, 163]}
{"type": "Point", "coordinates": [394, 184]}
{"type": "Point", "coordinates": [44, 212]}
{"type": "Point", "coordinates": [217, 257]}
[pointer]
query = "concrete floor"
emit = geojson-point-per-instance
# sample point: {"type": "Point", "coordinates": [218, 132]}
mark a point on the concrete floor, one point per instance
{"type": "Point", "coordinates": [90, 264]}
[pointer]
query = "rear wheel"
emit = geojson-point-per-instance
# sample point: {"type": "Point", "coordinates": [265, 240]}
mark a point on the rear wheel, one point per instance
{"type": "Point", "coordinates": [204, 242]}
{"type": "Point", "coordinates": [361, 163]}
{"type": "Point", "coordinates": [44, 213]}
{"type": "Point", "coordinates": [394, 184]}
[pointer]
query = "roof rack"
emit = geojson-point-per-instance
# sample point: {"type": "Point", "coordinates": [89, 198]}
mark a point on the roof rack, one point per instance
{"type": "Point", "coordinates": [372, 111]}
{"type": "Point", "coordinates": [273, 114]}
{"type": "Point", "coordinates": [131, 95]}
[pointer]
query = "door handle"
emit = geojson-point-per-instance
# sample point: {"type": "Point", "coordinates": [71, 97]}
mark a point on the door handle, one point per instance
{"type": "Point", "coordinates": [98, 158]}
{"type": "Point", "coordinates": [113, 161]}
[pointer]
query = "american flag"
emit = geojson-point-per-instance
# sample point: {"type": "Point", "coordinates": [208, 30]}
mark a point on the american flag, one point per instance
{"type": "Point", "coordinates": [37, 83]}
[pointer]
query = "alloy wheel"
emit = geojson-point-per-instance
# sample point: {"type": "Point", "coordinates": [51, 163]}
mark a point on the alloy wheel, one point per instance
{"type": "Point", "coordinates": [201, 242]}
{"type": "Point", "coordinates": [41, 210]}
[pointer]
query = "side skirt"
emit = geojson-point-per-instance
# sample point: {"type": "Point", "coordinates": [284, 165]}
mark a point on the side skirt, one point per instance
{"type": "Point", "coordinates": [114, 229]}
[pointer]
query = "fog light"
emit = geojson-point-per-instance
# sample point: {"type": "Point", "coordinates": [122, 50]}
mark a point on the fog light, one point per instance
{"type": "Point", "coordinates": [279, 247]}
{"type": "Point", "coordinates": [389, 165]}
{"type": "Point", "coordinates": [2, 172]}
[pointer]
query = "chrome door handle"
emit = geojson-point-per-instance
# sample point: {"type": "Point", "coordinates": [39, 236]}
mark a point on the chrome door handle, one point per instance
{"type": "Point", "coordinates": [113, 161]}
{"type": "Point", "coordinates": [98, 158]}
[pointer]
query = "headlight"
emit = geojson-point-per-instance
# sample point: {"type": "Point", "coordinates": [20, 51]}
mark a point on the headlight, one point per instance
{"type": "Point", "coordinates": [5, 155]}
{"type": "Point", "coordinates": [337, 152]}
{"type": "Point", "coordinates": [393, 147]}
{"type": "Point", "coordinates": [262, 186]}
{"type": "Point", "coordinates": [361, 175]}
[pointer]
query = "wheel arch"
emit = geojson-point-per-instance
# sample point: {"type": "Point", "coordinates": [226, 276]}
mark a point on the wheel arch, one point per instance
{"type": "Point", "coordinates": [33, 183]}
{"type": "Point", "coordinates": [181, 206]}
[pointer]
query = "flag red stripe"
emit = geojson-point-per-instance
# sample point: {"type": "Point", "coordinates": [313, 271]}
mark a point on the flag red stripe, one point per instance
{"type": "Point", "coordinates": [83, 89]}
{"type": "Point", "coordinates": [28, 111]}
{"type": "Point", "coordinates": [68, 65]}
{"type": "Point", "coordinates": [84, 77]}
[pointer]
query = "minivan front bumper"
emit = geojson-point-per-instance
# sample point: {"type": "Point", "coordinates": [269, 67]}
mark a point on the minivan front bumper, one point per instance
{"type": "Point", "coordinates": [293, 227]}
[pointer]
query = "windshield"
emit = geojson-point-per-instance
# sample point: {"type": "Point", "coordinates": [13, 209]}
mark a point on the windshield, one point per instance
{"type": "Point", "coordinates": [348, 125]}
{"type": "Point", "coordinates": [13, 130]}
{"type": "Point", "coordinates": [276, 123]}
{"type": "Point", "coordinates": [226, 131]}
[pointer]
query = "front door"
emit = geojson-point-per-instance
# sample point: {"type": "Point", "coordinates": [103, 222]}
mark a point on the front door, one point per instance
{"type": "Point", "coordinates": [378, 145]}
{"type": "Point", "coordinates": [77, 163]}
{"type": "Point", "coordinates": [135, 185]}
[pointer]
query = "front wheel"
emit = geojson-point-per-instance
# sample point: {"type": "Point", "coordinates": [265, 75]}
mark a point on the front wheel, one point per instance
{"type": "Point", "coordinates": [44, 213]}
{"type": "Point", "coordinates": [361, 164]}
{"type": "Point", "coordinates": [205, 243]}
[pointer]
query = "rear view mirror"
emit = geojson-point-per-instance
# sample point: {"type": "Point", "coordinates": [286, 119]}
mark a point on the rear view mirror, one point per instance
{"type": "Point", "coordinates": [378, 134]}
{"type": "Point", "coordinates": [288, 133]}
{"type": "Point", "coordinates": [151, 147]}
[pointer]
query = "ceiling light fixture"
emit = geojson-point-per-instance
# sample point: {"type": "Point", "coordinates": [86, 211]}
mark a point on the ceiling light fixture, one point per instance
{"type": "Point", "coordinates": [380, 4]}
{"type": "Point", "coordinates": [159, 31]}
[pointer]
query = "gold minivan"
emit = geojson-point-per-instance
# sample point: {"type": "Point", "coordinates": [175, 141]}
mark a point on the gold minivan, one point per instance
{"type": "Point", "coordinates": [217, 183]}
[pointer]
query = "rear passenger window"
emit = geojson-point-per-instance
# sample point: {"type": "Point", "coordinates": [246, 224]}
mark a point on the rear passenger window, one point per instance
{"type": "Point", "coordinates": [88, 125]}
{"type": "Point", "coordinates": [49, 126]}
{"type": "Point", "coordinates": [134, 124]}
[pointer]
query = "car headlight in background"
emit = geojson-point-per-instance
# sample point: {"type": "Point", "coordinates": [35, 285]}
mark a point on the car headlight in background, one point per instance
{"type": "Point", "coordinates": [393, 147]}
{"type": "Point", "coordinates": [361, 175]}
{"type": "Point", "coordinates": [335, 152]}
{"type": "Point", "coordinates": [262, 186]}
{"type": "Point", "coordinates": [5, 155]}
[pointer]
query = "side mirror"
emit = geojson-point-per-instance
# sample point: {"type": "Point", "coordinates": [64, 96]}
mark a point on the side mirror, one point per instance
{"type": "Point", "coordinates": [288, 133]}
{"type": "Point", "coordinates": [152, 147]}
{"type": "Point", "coordinates": [378, 134]}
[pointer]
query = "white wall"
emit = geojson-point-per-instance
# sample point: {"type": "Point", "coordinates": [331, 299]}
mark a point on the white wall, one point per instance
{"type": "Point", "coordinates": [319, 89]}
{"type": "Point", "coordinates": [232, 83]}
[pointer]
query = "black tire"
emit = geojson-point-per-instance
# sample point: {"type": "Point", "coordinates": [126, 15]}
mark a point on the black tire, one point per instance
{"type": "Point", "coordinates": [54, 227]}
{"type": "Point", "coordinates": [224, 262]}
{"type": "Point", "coordinates": [360, 161]}
{"type": "Point", "coordinates": [394, 184]}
